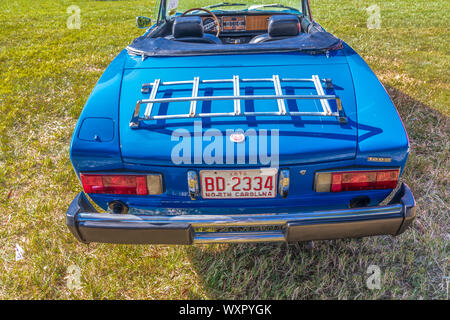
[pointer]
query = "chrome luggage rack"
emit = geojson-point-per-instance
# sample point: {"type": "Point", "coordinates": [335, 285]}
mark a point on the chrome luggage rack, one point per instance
{"type": "Point", "coordinates": [236, 97]}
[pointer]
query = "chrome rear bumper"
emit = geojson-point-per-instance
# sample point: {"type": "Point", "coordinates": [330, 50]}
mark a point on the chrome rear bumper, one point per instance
{"type": "Point", "coordinates": [87, 225]}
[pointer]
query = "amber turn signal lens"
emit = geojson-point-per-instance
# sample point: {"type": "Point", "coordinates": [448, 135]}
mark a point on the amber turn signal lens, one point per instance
{"type": "Point", "coordinates": [154, 184]}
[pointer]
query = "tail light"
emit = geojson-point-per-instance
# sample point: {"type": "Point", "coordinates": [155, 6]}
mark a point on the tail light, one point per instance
{"type": "Point", "coordinates": [356, 180]}
{"type": "Point", "coordinates": [122, 184]}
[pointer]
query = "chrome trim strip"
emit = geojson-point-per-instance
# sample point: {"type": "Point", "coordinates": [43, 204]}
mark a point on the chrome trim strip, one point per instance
{"type": "Point", "coordinates": [254, 97]}
{"type": "Point", "coordinates": [247, 220]}
{"type": "Point", "coordinates": [193, 109]}
{"type": "Point", "coordinates": [325, 105]}
{"type": "Point", "coordinates": [148, 111]}
{"type": "Point", "coordinates": [279, 92]}
{"type": "Point", "coordinates": [283, 183]}
{"type": "Point", "coordinates": [237, 93]}
{"type": "Point", "coordinates": [193, 184]}
{"type": "Point", "coordinates": [245, 114]}
{"type": "Point", "coordinates": [238, 237]}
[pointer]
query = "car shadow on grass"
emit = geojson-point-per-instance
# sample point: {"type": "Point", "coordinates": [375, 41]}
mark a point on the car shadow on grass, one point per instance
{"type": "Point", "coordinates": [340, 269]}
{"type": "Point", "coordinates": [326, 269]}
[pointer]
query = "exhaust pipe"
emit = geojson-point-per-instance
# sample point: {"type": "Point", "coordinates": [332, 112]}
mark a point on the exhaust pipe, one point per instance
{"type": "Point", "coordinates": [117, 207]}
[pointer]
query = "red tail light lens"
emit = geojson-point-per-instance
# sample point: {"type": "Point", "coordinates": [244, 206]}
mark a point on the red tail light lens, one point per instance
{"type": "Point", "coordinates": [114, 184]}
{"type": "Point", "coordinates": [357, 180]}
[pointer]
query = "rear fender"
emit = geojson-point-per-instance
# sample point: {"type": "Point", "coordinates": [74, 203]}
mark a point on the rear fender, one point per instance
{"type": "Point", "coordinates": [95, 141]}
{"type": "Point", "coordinates": [381, 133]}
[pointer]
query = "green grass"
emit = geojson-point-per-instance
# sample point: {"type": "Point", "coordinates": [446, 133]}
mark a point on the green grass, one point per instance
{"type": "Point", "coordinates": [47, 72]}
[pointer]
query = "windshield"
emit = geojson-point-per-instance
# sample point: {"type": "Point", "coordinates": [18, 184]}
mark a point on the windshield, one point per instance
{"type": "Point", "coordinates": [175, 7]}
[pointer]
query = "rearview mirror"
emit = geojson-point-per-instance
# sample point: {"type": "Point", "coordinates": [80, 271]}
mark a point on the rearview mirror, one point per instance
{"type": "Point", "coordinates": [143, 22]}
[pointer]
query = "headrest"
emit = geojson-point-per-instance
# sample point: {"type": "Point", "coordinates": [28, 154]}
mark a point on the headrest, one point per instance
{"type": "Point", "coordinates": [187, 27]}
{"type": "Point", "coordinates": [286, 25]}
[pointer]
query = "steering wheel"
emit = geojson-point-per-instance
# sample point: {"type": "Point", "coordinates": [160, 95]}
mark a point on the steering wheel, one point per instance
{"type": "Point", "coordinates": [210, 13]}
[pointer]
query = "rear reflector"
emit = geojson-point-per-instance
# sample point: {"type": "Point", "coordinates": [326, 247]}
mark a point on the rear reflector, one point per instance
{"type": "Point", "coordinates": [121, 184]}
{"type": "Point", "coordinates": [356, 180]}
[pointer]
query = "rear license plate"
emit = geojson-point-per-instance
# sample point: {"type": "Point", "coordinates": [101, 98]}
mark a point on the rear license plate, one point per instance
{"type": "Point", "coordinates": [237, 184]}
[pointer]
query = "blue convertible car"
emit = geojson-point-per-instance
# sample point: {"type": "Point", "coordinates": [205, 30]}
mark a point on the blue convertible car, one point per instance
{"type": "Point", "coordinates": [237, 122]}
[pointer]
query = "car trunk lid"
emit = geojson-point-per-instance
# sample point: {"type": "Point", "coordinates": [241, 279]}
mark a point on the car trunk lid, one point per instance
{"type": "Point", "coordinates": [305, 139]}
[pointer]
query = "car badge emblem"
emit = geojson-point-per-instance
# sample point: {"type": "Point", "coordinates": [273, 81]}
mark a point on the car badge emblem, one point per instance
{"type": "Point", "coordinates": [237, 137]}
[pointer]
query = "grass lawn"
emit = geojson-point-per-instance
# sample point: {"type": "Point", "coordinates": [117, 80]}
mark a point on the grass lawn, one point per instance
{"type": "Point", "coordinates": [47, 72]}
